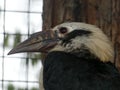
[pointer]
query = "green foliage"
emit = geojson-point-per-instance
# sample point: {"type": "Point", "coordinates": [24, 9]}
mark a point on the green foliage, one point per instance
{"type": "Point", "coordinates": [34, 88]}
{"type": "Point", "coordinates": [17, 38]}
{"type": "Point", "coordinates": [27, 61]}
{"type": "Point", "coordinates": [6, 44]}
{"type": "Point", "coordinates": [35, 58]}
{"type": "Point", "coordinates": [27, 89]}
{"type": "Point", "coordinates": [10, 87]}
{"type": "Point", "coordinates": [21, 89]}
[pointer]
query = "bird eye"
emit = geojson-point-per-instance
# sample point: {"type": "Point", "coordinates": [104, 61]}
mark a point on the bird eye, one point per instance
{"type": "Point", "coordinates": [63, 30]}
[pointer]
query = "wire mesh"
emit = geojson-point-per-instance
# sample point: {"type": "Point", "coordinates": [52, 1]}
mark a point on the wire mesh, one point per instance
{"type": "Point", "coordinates": [18, 19]}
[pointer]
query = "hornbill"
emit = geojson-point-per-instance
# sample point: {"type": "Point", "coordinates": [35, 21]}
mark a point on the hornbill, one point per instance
{"type": "Point", "coordinates": [79, 57]}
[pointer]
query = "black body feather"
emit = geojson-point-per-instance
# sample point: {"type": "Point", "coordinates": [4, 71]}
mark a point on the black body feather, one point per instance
{"type": "Point", "coordinates": [63, 71]}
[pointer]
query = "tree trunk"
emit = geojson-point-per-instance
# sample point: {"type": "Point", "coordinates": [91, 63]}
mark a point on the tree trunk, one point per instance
{"type": "Point", "coordinates": [103, 13]}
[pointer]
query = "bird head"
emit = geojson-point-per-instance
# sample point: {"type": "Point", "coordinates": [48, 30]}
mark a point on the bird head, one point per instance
{"type": "Point", "coordinates": [70, 37]}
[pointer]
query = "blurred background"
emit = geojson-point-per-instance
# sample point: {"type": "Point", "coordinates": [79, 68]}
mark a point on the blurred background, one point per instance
{"type": "Point", "coordinates": [19, 19]}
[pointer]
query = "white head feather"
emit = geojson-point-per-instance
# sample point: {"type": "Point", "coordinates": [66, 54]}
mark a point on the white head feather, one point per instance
{"type": "Point", "coordinates": [97, 42]}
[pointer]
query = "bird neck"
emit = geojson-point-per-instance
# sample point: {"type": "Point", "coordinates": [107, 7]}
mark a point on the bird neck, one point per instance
{"type": "Point", "coordinates": [86, 54]}
{"type": "Point", "coordinates": [80, 53]}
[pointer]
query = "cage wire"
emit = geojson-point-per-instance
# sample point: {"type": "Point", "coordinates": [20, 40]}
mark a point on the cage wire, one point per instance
{"type": "Point", "coordinates": [23, 64]}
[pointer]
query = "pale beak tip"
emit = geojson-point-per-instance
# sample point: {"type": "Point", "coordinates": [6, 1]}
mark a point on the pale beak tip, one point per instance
{"type": "Point", "coordinates": [11, 52]}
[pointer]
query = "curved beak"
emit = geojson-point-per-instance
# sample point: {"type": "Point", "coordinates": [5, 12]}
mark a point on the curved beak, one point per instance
{"type": "Point", "coordinates": [38, 42]}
